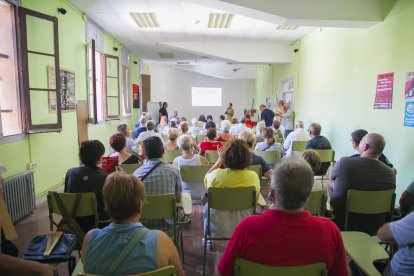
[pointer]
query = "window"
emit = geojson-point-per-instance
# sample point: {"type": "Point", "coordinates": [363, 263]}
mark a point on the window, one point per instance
{"type": "Point", "coordinates": [10, 115]}
{"type": "Point", "coordinates": [126, 96]}
{"type": "Point", "coordinates": [40, 68]}
{"type": "Point", "coordinates": [103, 85]}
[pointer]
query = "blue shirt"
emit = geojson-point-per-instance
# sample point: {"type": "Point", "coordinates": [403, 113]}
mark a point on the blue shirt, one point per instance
{"type": "Point", "coordinates": [107, 243]}
{"type": "Point", "coordinates": [403, 231]}
{"type": "Point", "coordinates": [267, 115]}
{"type": "Point", "coordinates": [258, 160]}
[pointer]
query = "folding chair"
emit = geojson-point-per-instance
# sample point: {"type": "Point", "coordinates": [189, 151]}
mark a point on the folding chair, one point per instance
{"type": "Point", "coordinates": [212, 156]}
{"type": "Point", "coordinates": [271, 157]}
{"type": "Point", "coordinates": [246, 268]}
{"type": "Point", "coordinates": [298, 147]}
{"type": "Point", "coordinates": [194, 174]}
{"type": "Point", "coordinates": [316, 203]}
{"type": "Point", "coordinates": [170, 155]}
{"type": "Point", "coordinates": [130, 168]}
{"type": "Point", "coordinates": [218, 198]}
{"type": "Point", "coordinates": [327, 156]}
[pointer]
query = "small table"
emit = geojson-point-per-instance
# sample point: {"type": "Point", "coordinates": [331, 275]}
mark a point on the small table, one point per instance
{"type": "Point", "coordinates": [364, 251]}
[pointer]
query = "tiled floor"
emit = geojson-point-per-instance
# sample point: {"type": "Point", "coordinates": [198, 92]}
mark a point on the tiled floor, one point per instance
{"type": "Point", "coordinates": [38, 223]}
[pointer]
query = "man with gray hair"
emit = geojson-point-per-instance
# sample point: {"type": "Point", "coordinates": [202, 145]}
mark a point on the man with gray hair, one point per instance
{"type": "Point", "coordinates": [240, 127]}
{"type": "Point", "coordinates": [149, 133]}
{"type": "Point", "coordinates": [291, 185]}
{"type": "Point", "coordinates": [140, 126]}
{"type": "Point", "coordinates": [299, 134]}
{"type": "Point", "coordinates": [364, 173]}
{"type": "Point", "coordinates": [130, 143]}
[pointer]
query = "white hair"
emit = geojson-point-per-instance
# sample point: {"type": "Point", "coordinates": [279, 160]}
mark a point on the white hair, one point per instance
{"type": "Point", "coordinates": [225, 126]}
{"type": "Point", "coordinates": [185, 142]}
{"type": "Point", "coordinates": [260, 126]}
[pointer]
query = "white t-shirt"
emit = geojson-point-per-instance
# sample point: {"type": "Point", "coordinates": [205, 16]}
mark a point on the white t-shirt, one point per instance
{"type": "Point", "coordinates": [298, 134]}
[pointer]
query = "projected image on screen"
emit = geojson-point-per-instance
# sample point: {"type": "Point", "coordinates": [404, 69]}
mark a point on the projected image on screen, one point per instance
{"type": "Point", "coordinates": [206, 96]}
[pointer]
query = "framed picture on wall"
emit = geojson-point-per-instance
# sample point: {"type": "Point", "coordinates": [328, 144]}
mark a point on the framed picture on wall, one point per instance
{"type": "Point", "coordinates": [67, 90]}
{"type": "Point", "coordinates": [135, 96]}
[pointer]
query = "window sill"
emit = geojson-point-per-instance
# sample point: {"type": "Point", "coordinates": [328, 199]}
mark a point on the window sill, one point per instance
{"type": "Point", "coordinates": [12, 138]}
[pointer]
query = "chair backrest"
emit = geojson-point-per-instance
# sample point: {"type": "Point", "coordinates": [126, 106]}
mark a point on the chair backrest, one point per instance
{"type": "Point", "coordinates": [271, 157]}
{"type": "Point", "coordinates": [212, 156]}
{"type": "Point", "coordinates": [369, 203]}
{"type": "Point", "coordinates": [241, 198]}
{"type": "Point", "coordinates": [170, 155]}
{"type": "Point", "coordinates": [200, 138]}
{"type": "Point", "coordinates": [194, 173]}
{"type": "Point", "coordinates": [316, 203]}
{"type": "Point", "coordinates": [130, 168]}
{"type": "Point", "coordinates": [164, 137]}
{"type": "Point", "coordinates": [257, 169]}
{"type": "Point", "coordinates": [247, 268]}
{"type": "Point", "coordinates": [299, 145]}
{"type": "Point", "coordinates": [165, 271]}
{"type": "Point", "coordinates": [87, 205]}
{"type": "Point", "coordinates": [159, 207]}
{"type": "Point", "coordinates": [326, 155]}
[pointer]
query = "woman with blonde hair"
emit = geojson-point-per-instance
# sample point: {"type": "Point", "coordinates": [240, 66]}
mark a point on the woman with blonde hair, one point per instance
{"type": "Point", "coordinates": [124, 197]}
{"type": "Point", "coordinates": [184, 130]}
{"type": "Point", "coordinates": [171, 144]}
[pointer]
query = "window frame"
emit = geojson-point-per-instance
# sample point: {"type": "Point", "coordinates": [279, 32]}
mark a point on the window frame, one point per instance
{"type": "Point", "coordinates": [93, 120]}
{"type": "Point", "coordinates": [31, 128]}
{"type": "Point", "coordinates": [126, 92]}
{"type": "Point", "coordinates": [106, 116]}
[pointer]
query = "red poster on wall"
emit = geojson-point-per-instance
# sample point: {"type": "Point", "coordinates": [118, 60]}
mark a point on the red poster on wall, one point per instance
{"type": "Point", "coordinates": [135, 95]}
{"type": "Point", "coordinates": [383, 96]}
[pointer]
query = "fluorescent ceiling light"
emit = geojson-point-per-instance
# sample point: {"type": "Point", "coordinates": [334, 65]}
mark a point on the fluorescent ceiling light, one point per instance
{"type": "Point", "coordinates": [286, 27]}
{"type": "Point", "coordinates": [220, 20]}
{"type": "Point", "coordinates": [145, 19]}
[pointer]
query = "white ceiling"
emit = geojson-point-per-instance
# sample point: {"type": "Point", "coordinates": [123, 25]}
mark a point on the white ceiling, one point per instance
{"type": "Point", "coordinates": [251, 37]}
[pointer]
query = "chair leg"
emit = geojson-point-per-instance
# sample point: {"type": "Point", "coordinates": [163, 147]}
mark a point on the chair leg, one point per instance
{"type": "Point", "coordinates": [205, 254]}
{"type": "Point", "coordinates": [182, 246]}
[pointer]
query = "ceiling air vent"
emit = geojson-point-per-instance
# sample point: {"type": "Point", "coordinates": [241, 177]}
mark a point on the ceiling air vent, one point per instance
{"type": "Point", "coordinates": [145, 19]}
{"type": "Point", "coordinates": [166, 55]}
{"type": "Point", "coordinates": [286, 27]}
{"type": "Point", "coordinates": [220, 20]}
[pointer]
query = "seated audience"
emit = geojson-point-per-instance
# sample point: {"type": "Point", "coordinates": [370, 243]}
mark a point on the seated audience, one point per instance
{"type": "Point", "coordinates": [209, 118]}
{"type": "Point", "coordinates": [357, 136]}
{"type": "Point", "coordinates": [224, 135]}
{"type": "Point", "coordinates": [184, 131]}
{"type": "Point", "coordinates": [163, 125]}
{"type": "Point", "coordinates": [183, 119]}
{"type": "Point", "coordinates": [130, 143]}
{"type": "Point", "coordinates": [402, 233]}
{"type": "Point", "coordinates": [259, 128]}
{"type": "Point", "coordinates": [196, 190]}
{"type": "Point", "coordinates": [250, 140]}
{"type": "Point", "coordinates": [220, 120]}
{"type": "Point", "coordinates": [293, 235]}
{"type": "Point", "coordinates": [299, 134]}
{"type": "Point", "coordinates": [171, 144]}
{"type": "Point", "coordinates": [88, 178]}
{"type": "Point", "coordinates": [159, 177]}
{"type": "Point", "coordinates": [201, 121]}
{"type": "Point", "coordinates": [124, 197]}
{"type": "Point", "coordinates": [174, 117]}
{"type": "Point", "coordinates": [249, 123]}
{"type": "Point", "coordinates": [210, 143]}
{"type": "Point", "coordinates": [236, 157]}
{"type": "Point", "coordinates": [407, 199]}
{"type": "Point", "coordinates": [149, 133]}
{"type": "Point", "coordinates": [142, 126]}
{"type": "Point", "coordinates": [280, 138]}
{"type": "Point", "coordinates": [118, 143]}
{"type": "Point", "coordinates": [209, 124]}
{"type": "Point", "coordinates": [363, 173]}
{"type": "Point", "coordinates": [240, 127]}
{"type": "Point", "coordinates": [317, 141]}
{"type": "Point", "coordinates": [195, 127]}
{"type": "Point", "coordinates": [313, 159]}
{"type": "Point", "coordinates": [269, 143]}
{"type": "Point", "coordinates": [234, 121]}
{"type": "Point", "coordinates": [172, 124]}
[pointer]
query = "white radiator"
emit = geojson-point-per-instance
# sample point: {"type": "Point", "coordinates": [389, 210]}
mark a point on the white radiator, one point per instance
{"type": "Point", "coordinates": [19, 195]}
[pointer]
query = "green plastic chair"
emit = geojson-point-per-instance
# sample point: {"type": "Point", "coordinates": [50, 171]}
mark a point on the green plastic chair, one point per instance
{"type": "Point", "coordinates": [212, 156]}
{"type": "Point", "coordinates": [316, 203]}
{"type": "Point", "coordinates": [271, 157]}
{"type": "Point", "coordinates": [164, 138]}
{"type": "Point", "coordinates": [369, 203]}
{"type": "Point", "coordinates": [257, 169]}
{"type": "Point", "coordinates": [130, 168]}
{"type": "Point", "coordinates": [194, 173]}
{"type": "Point", "coordinates": [247, 268]}
{"type": "Point", "coordinates": [163, 206]}
{"type": "Point", "coordinates": [200, 138]}
{"type": "Point", "coordinates": [218, 198]}
{"type": "Point", "coordinates": [170, 155]}
{"type": "Point", "coordinates": [299, 145]}
{"type": "Point", "coordinates": [326, 155]}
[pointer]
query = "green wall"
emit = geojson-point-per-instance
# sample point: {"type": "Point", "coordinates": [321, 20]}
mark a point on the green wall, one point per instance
{"type": "Point", "coordinates": [335, 75]}
{"type": "Point", "coordinates": [55, 153]}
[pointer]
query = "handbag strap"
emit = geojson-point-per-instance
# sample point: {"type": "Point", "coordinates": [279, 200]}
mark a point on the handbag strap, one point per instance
{"type": "Point", "coordinates": [62, 207]}
{"type": "Point", "coordinates": [150, 171]}
{"type": "Point", "coordinates": [125, 252]}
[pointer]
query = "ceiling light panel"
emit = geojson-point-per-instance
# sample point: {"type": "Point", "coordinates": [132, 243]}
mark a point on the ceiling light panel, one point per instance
{"type": "Point", "coordinates": [145, 19]}
{"type": "Point", "coordinates": [286, 27]}
{"type": "Point", "coordinates": [220, 20]}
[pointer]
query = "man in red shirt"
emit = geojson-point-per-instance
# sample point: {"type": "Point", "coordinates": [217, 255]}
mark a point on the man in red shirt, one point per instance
{"type": "Point", "coordinates": [210, 143]}
{"type": "Point", "coordinates": [287, 235]}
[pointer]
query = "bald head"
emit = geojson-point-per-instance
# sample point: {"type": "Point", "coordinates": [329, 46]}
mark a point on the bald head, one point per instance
{"type": "Point", "coordinates": [372, 145]}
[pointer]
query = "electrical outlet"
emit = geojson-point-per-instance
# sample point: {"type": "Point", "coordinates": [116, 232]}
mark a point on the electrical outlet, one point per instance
{"type": "Point", "coordinates": [31, 165]}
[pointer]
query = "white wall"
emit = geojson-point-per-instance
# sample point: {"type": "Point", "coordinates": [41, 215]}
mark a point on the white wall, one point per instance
{"type": "Point", "coordinates": [174, 86]}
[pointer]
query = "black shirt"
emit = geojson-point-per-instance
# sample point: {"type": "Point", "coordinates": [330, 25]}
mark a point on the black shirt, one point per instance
{"type": "Point", "coordinates": [131, 160]}
{"type": "Point", "coordinates": [163, 112]}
